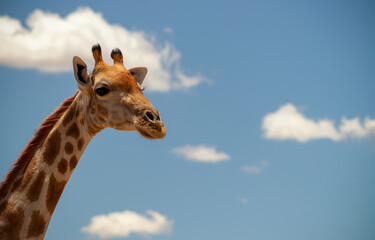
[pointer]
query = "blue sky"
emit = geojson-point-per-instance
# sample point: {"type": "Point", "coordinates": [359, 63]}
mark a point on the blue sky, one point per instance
{"type": "Point", "coordinates": [268, 105]}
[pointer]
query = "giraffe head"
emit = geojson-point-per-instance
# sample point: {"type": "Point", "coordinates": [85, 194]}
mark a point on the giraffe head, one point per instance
{"type": "Point", "coordinates": [114, 96]}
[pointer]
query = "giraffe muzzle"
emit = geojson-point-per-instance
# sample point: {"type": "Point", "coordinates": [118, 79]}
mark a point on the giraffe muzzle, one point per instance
{"type": "Point", "coordinates": [151, 116]}
{"type": "Point", "coordinates": [149, 125]}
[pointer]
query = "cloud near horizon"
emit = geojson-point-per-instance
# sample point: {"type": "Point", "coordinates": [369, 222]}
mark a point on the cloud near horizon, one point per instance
{"type": "Point", "coordinates": [287, 123]}
{"type": "Point", "coordinates": [49, 42]}
{"type": "Point", "coordinates": [201, 153]}
{"type": "Point", "coordinates": [122, 224]}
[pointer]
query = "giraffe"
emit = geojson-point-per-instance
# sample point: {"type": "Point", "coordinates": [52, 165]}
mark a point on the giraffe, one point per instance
{"type": "Point", "coordinates": [109, 96]}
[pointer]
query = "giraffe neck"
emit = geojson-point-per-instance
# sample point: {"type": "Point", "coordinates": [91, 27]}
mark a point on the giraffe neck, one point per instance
{"type": "Point", "coordinates": [27, 209]}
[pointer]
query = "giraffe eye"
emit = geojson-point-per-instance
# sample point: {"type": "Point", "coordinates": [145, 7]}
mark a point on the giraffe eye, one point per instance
{"type": "Point", "coordinates": [101, 91]}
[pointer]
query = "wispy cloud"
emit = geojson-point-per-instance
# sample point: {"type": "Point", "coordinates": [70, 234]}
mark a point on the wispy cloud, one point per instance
{"type": "Point", "coordinates": [201, 153]}
{"type": "Point", "coordinates": [289, 123]}
{"type": "Point", "coordinates": [168, 30]}
{"type": "Point", "coordinates": [251, 169]}
{"type": "Point", "coordinates": [122, 224]}
{"type": "Point", "coordinates": [256, 168]}
{"type": "Point", "coordinates": [49, 42]}
{"type": "Point", "coordinates": [187, 82]}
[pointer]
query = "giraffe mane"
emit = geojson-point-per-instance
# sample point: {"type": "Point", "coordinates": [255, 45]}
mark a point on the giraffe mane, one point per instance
{"type": "Point", "coordinates": [35, 142]}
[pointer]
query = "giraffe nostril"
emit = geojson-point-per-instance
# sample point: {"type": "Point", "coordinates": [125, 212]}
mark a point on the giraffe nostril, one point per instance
{"type": "Point", "coordinates": [150, 116]}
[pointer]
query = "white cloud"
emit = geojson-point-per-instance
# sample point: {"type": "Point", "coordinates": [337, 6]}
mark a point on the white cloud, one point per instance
{"type": "Point", "coordinates": [289, 123]}
{"type": "Point", "coordinates": [168, 30]}
{"type": "Point", "coordinates": [201, 153]}
{"type": "Point", "coordinates": [186, 82]}
{"type": "Point", "coordinates": [49, 42]}
{"type": "Point", "coordinates": [122, 224]}
{"type": "Point", "coordinates": [251, 169]}
{"type": "Point", "coordinates": [255, 169]}
{"type": "Point", "coordinates": [354, 129]}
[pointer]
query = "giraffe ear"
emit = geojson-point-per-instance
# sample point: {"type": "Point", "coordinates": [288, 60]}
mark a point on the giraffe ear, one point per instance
{"type": "Point", "coordinates": [139, 73]}
{"type": "Point", "coordinates": [80, 72]}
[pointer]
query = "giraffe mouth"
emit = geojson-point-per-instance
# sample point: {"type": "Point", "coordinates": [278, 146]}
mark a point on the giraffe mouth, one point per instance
{"type": "Point", "coordinates": [144, 134]}
{"type": "Point", "coordinates": [151, 130]}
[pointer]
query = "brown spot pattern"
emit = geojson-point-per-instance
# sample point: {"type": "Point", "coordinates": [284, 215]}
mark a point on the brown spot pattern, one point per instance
{"type": "Point", "coordinates": [37, 225]}
{"type": "Point", "coordinates": [62, 166]}
{"type": "Point", "coordinates": [26, 180]}
{"type": "Point", "coordinates": [73, 131]}
{"type": "Point", "coordinates": [78, 111]}
{"type": "Point", "coordinates": [54, 192]}
{"type": "Point", "coordinates": [12, 220]}
{"type": "Point", "coordinates": [36, 187]}
{"type": "Point", "coordinates": [2, 206]}
{"type": "Point", "coordinates": [69, 147]}
{"type": "Point", "coordinates": [29, 173]}
{"type": "Point", "coordinates": [80, 144]}
{"type": "Point", "coordinates": [35, 143]}
{"type": "Point", "coordinates": [16, 184]}
{"type": "Point", "coordinates": [68, 116]}
{"type": "Point", "coordinates": [73, 163]}
{"type": "Point", "coordinates": [52, 148]}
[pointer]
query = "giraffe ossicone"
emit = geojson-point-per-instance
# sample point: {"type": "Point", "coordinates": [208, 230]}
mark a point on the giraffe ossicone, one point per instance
{"type": "Point", "coordinates": [109, 96]}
